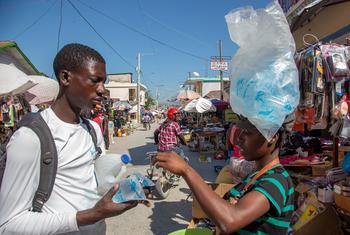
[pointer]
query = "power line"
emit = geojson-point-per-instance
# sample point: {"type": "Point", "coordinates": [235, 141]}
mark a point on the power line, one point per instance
{"type": "Point", "coordinates": [176, 30]}
{"type": "Point", "coordinates": [35, 22]}
{"type": "Point", "coordinates": [145, 22]}
{"type": "Point", "coordinates": [59, 27]}
{"type": "Point", "coordinates": [107, 43]}
{"type": "Point", "coordinates": [143, 34]}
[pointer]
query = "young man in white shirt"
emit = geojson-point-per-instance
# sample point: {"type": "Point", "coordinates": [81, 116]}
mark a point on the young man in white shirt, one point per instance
{"type": "Point", "coordinates": [74, 206]}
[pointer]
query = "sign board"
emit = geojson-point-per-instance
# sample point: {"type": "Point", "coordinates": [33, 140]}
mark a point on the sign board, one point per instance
{"type": "Point", "coordinates": [219, 63]}
{"type": "Point", "coordinates": [230, 116]}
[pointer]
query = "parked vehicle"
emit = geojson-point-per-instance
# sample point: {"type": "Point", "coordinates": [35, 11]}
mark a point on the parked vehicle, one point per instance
{"type": "Point", "coordinates": [163, 179]}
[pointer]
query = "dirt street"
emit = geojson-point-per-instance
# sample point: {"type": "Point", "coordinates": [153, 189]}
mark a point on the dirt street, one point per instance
{"type": "Point", "coordinates": [164, 216]}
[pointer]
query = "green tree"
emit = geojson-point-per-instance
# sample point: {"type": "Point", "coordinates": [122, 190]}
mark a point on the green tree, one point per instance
{"type": "Point", "coordinates": [149, 100]}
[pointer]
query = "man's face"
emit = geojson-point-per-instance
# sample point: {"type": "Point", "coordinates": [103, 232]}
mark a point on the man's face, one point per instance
{"type": "Point", "coordinates": [86, 86]}
{"type": "Point", "coordinates": [177, 117]}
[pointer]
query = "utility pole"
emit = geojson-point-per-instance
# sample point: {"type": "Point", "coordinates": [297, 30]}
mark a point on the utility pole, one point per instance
{"type": "Point", "coordinates": [157, 96]}
{"type": "Point", "coordinates": [221, 72]}
{"type": "Point", "coordinates": [138, 115]}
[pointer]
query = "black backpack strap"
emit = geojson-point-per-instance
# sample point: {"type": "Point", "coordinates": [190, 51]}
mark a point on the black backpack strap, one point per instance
{"type": "Point", "coordinates": [48, 160]}
{"type": "Point", "coordinates": [92, 132]}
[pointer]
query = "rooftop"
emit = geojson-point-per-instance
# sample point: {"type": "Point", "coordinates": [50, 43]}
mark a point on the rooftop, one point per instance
{"type": "Point", "coordinates": [11, 48]}
{"type": "Point", "coordinates": [206, 79]}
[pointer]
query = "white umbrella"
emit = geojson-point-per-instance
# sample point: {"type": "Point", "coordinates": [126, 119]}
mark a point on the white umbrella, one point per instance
{"type": "Point", "coordinates": [45, 91]}
{"type": "Point", "coordinates": [121, 105]}
{"type": "Point", "coordinates": [200, 105]}
{"type": "Point", "coordinates": [13, 81]}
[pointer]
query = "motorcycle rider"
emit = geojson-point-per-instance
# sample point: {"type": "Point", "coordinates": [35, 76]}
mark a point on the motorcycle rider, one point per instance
{"type": "Point", "coordinates": [168, 133]}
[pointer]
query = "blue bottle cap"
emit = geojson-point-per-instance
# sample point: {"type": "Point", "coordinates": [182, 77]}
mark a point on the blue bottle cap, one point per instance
{"type": "Point", "coordinates": [125, 159]}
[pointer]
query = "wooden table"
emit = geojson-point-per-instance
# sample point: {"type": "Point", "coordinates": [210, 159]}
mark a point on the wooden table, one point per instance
{"type": "Point", "coordinates": [209, 134]}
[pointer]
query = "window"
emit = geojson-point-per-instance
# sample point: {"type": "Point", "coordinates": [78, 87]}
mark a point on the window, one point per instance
{"type": "Point", "coordinates": [132, 94]}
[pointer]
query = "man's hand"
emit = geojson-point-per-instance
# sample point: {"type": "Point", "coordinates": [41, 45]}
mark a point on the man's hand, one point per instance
{"type": "Point", "coordinates": [172, 162]}
{"type": "Point", "coordinates": [104, 208]}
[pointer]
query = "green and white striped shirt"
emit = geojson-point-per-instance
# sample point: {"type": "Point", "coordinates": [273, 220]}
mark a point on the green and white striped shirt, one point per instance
{"type": "Point", "coordinates": [277, 186]}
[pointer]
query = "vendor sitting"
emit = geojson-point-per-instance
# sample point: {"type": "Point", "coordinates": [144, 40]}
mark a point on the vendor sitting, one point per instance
{"type": "Point", "coordinates": [263, 202]}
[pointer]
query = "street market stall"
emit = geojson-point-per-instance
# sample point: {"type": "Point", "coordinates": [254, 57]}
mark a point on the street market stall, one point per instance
{"type": "Point", "coordinates": [45, 90]}
{"type": "Point", "coordinates": [13, 84]}
{"type": "Point", "coordinates": [206, 137]}
{"type": "Point", "coordinates": [320, 139]}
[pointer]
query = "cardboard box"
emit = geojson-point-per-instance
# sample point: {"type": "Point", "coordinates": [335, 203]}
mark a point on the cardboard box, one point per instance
{"type": "Point", "coordinates": [321, 170]}
{"type": "Point", "coordinates": [325, 223]}
{"type": "Point", "coordinates": [219, 189]}
{"type": "Point", "coordinates": [342, 202]}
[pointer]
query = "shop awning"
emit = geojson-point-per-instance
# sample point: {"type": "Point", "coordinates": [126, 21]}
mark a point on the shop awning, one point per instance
{"type": "Point", "coordinates": [13, 81]}
{"type": "Point", "coordinates": [310, 11]}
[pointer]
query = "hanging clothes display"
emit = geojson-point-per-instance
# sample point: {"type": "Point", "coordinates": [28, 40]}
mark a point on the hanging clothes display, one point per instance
{"type": "Point", "coordinates": [324, 74]}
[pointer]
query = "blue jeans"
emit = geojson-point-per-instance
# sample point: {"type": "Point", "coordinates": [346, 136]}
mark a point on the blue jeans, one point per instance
{"type": "Point", "coordinates": [177, 150]}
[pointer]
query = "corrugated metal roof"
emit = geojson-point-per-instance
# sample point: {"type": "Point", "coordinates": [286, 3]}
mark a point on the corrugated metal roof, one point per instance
{"type": "Point", "coordinates": [11, 48]}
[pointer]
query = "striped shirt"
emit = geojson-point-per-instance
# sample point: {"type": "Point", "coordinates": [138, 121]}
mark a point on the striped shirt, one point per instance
{"type": "Point", "coordinates": [277, 186]}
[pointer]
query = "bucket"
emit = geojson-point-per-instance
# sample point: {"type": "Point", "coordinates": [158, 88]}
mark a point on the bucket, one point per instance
{"type": "Point", "coordinates": [192, 231]}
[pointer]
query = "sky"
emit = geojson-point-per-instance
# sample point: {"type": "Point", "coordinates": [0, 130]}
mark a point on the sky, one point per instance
{"type": "Point", "coordinates": [174, 37]}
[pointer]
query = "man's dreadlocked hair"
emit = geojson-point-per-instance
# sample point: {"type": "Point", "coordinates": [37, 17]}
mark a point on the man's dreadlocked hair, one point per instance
{"type": "Point", "coordinates": [73, 57]}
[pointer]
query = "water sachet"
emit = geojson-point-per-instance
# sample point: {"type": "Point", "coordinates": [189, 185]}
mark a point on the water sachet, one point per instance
{"type": "Point", "coordinates": [144, 181]}
{"type": "Point", "coordinates": [130, 189]}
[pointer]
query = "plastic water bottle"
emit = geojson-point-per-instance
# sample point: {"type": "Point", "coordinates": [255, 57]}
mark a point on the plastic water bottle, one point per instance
{"type": "Point", "coordinates": [109, 169]}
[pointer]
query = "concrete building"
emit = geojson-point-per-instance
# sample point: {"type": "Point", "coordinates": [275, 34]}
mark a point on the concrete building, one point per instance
{"type": "Point", "coordinates": [122, 88]}
{"type": "Point", "coordinates": [205, 85]}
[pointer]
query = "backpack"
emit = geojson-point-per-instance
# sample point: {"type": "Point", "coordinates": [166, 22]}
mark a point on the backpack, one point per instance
{"type": "Point", "coordinates": [48, 160]}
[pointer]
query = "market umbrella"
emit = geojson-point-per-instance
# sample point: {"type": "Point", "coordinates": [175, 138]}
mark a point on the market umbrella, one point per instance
{"type": "Point", "coordinates": [45, 91]}
{"type": "Point", "coordinates": [219, 104]}
{"type": "Point", "coordinates": [13, 81]}
{"type": "Point", "coordinates": [200, 105]}
{"type": "Point", "coordinates": [187, 95]}
{"type": "Point", "coordinates": [216, 94]}
{"type": "Point", "coordinates": [121, 105]}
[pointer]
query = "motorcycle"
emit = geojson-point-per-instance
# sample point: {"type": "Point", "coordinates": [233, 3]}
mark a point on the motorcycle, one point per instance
{"type": "Point", "coordinates": [163, 179]}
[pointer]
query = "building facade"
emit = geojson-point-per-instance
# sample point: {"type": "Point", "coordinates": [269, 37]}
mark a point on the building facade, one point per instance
{"type": "Point", "coordinates": [205, 85]}
{"type": "Point", "coordinates": [122, 88]}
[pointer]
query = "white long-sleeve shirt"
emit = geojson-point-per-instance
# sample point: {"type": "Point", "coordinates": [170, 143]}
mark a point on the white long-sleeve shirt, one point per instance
{"type": "Point", "coordinates": [75, 186]}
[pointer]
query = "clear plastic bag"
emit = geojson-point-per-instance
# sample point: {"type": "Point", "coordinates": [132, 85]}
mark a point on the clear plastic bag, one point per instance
{"type": "Point", "coordinates": [241, 168]}
{"type": "Point", "coordinates": [264, 77]}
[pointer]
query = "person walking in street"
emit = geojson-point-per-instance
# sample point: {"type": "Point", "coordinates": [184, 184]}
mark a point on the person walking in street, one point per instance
{"type": "Point", "coordinates": [74, 206]}
{"type": "Point", "coordinates": [146, 120]}
{"type": "Point", "coordinates": [169, 132]}
{"type": "Point", "coordinates": [110, 129]}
